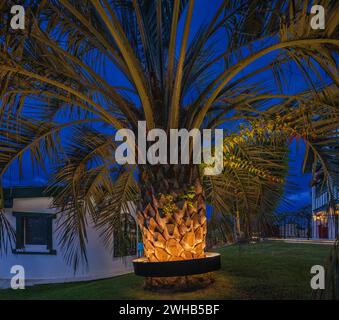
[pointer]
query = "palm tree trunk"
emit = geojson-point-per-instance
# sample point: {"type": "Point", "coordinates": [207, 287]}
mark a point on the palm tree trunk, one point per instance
{"type": "Point", "coordinates": [174, 228]}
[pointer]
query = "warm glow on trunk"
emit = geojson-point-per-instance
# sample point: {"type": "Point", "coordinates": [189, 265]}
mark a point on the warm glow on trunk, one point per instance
{"type": "Point", "coordinates": [176, 235]}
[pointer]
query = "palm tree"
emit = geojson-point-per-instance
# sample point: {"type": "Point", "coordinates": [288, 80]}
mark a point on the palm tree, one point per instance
{"type": "Point", "coordinates": [83, 69]}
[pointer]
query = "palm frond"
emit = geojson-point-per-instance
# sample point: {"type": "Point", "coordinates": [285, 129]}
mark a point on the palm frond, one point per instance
{"type": "Point", "coordinates": [117, 208]}
{"type": "Point", "coordinates": [112, 63]}
{"type": "Point", "coordinates": [83, 179]}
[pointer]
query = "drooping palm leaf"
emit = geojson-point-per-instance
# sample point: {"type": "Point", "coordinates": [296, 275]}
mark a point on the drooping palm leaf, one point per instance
{"type": "Point", "coordinates": [112, 63]}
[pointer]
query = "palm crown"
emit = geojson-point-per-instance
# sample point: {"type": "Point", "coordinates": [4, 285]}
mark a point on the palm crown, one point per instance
{"type": "Point", "coordinates": [83, 69]}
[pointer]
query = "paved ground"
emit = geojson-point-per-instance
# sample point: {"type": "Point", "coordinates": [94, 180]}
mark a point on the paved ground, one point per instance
{"type": "Point", "coordinates": [309, 241]}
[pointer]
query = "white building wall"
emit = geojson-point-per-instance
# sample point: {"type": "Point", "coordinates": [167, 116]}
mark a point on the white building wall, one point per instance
{"type": "Point", "coordinates": [320, 206]}
{"type": "Point", "coordinates": [52, 268]}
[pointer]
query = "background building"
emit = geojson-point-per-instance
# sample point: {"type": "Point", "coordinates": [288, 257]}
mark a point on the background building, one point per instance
{"type": "Point", "coordinates": [37, 249]}
{"type": "Point", "coordinates": [324, 217]}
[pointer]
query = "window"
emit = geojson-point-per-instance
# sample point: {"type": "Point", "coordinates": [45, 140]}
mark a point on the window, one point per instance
{"type": "Point", "coordinates": [34, 233]}
{"type": "Point", "coordinates": [35, 230]}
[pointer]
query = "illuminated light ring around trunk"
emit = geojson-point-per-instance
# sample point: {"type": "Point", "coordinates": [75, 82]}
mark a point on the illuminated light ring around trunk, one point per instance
{"type": "Point", "coordinates": [211, 262]}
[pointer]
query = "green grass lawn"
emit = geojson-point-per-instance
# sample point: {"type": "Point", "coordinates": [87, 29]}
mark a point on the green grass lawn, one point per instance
{"type": "Point", "coordinates": [259, 271]}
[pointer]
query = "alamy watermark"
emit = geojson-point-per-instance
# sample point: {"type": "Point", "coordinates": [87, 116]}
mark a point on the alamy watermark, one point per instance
{"type": "Point", "coordinates": [317, 20]}
{"type": "Point", "coordinates": [318, 280]}
{"type": "Point", "coordinates": [18, 19]}
{"type": "Point", "coordinates": [166, 148]}
{"type": "Point", "coordinates": [18, 280]}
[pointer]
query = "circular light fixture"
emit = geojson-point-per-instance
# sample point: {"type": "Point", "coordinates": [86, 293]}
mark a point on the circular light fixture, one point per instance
{"type": "Point", "coordinates": [211, 262]}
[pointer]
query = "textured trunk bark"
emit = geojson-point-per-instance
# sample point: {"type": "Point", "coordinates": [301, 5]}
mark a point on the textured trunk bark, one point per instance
{"type": "Point", "coordinates": [176, 235]}
{"type": "Point", "coordinates": [174, 228]}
